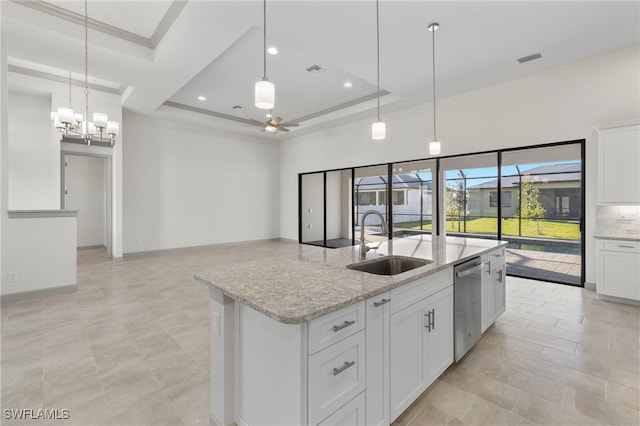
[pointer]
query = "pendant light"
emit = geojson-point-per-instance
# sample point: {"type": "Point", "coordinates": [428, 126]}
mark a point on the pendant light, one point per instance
{"type": "Point", "coordinates": [434, 146]}
{"type": "Point", "coordinates": [265, 90]}
{"type": "Point", "coordinates": [378, 129]}
{"type": "Point", "coordinates": [77, 128]}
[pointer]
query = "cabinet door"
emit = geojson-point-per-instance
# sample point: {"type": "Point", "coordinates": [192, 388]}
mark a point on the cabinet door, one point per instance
{"type": "Point", "coordinates": [618, 274]}
{"type": "Point", "coordinates": [351, 414]}
{"type": "Point", "coordinates": [488, 303]}
{"type": "Point", "coordinates": [377, 344]}
{"type": "Point", "coordinates": [438, 344]}
{"type": "Point", "coordinates": [618, 172]}
{"type": "Point", "coordinates": [406, 372]}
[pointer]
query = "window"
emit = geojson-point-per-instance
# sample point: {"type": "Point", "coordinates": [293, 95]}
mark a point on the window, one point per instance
{"type": "Point", "coordinates": [506, 199]}
{"type": "Point", "coordinates": [366, 198]}
{"type": "Point", "coordinates": [398, 198]}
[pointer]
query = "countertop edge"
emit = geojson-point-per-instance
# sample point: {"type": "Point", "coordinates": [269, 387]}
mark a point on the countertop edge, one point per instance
{"type": "Point", "coordinates": [298, 319]}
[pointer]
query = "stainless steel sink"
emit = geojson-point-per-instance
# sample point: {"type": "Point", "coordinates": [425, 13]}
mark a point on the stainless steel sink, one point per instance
{"type": "Point", "coordinates": [389, 265]}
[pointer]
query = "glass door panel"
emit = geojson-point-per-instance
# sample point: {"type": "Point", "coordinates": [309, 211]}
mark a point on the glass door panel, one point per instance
{"type": "Point", "coordinates": [370, 193]}
{"type": "Point", "coordinates": [471, 198]}
{"type": "Point", "coordinates": [543, 226]}
{"type": "Point", "coordinates": [413, 197]}
{"type": "Point", "coordinates": [312, 205]}
{"type": "Point", "coordinates": [338, 187]}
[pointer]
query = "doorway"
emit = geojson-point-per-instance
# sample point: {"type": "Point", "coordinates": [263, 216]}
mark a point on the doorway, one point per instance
{"type": "Point", "coordinates": [86, 187]}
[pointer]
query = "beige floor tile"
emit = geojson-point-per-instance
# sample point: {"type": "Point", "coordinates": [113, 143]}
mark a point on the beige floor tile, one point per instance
{"type": "Point", "coordinates": [482, 412]}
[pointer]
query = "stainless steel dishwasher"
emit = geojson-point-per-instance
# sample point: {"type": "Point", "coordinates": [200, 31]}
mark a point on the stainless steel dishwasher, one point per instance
{"type": "Point", "coordinates": [467, 299]}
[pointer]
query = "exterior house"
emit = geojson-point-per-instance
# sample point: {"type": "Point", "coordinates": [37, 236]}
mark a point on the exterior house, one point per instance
{"type": "Point", "coordinates": [559, 186]}
{"type": "Point", "coordinates": [411, 194]}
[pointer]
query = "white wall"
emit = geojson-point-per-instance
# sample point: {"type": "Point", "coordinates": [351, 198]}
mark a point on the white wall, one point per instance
{"type": "Point", "coordinates": [41, 251]}
{"type": "Point", "coordinates": [556, 105]}
{"type": "Point", "coordinates": [34, 168]}
{"type": "Point", "coordinates": [187, 185]}
{"type": "Point", "coordinates": [85, 186]}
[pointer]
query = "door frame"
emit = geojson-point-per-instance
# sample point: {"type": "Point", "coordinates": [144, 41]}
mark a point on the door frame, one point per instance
{"type": "Point", "coordinates": [108, 191]}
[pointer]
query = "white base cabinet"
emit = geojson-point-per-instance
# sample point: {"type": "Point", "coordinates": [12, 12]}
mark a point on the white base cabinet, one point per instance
{"type": "Point", "coordinates": [493, 287]}
{"type": "Point", "coordinates": [421, 347]}
{"type": "Point", "coordinates": [361, 365]}
{"type": "Point", "coordinates": [618, 268]}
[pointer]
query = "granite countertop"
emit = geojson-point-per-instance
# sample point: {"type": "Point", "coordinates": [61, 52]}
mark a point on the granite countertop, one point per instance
{"type": "Point", "coordinates": [296, 289]}
{"type": "Point", "coordinates": [622, 237]}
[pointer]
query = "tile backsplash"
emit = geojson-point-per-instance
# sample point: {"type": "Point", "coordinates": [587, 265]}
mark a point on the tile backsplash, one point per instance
{"type": "Point", "coordinates": [619, 220]}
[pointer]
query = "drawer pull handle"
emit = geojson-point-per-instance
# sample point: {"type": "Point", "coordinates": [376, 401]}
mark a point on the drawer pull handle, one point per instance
{"type": "Point", "coordinates": [343, 325]}
{"type": "Point", "coordinates": [626, 246]}
{"type": "Point", "coordinates": [380, 303]}
{"type": "Point", "coordinates": [346, 365]}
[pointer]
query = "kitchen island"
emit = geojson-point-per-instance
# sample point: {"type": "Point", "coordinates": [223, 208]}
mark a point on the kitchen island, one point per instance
{"type": "Point", "coordinates": [296, 340]}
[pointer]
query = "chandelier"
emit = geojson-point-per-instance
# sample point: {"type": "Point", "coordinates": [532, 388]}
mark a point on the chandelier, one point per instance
{"type": "Point", "coordinates": [76, 127]}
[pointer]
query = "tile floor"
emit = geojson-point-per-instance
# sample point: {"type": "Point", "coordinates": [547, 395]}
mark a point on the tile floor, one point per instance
{"type": "Point", "coordinates": [131, 347]}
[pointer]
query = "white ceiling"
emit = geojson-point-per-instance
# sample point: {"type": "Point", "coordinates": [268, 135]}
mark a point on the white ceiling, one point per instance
{"type": "Point", "coordinates": [164, 54]}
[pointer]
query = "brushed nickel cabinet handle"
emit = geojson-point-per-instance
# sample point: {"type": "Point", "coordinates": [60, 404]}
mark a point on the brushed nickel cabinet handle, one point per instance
{"type": "Point", "coordinates": [343, 325]}
{"type": "Point", "coordinates": [346, 365]}
{"type": "Point", "coordinates": [380, 303]}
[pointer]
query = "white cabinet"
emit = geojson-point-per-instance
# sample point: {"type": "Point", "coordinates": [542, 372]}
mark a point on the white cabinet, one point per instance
{"type": "Point", "coordinates": [618, 268]}
{"type": "Point", "coordinates": [421, 347]}
{"type": "Point", "coordinates": [351, 414]}
{"type": "Point", "coordinates": [377, 313]}
{"type": "Point", "coordinates": [493, 287]}
{"type": "Point", "coordinates": [618, 171]}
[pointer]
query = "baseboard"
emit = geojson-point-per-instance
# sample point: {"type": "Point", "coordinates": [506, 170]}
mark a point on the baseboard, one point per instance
{"type": "Point", "coordinates": [619, 300]}
{"type": "Point", "coordinates": [191, 248]}
{"type": "Point", "coordinates": [99, 246]}
{"type": "Point", "coordinates": [590, 286]}
{"type": "Point", "coordinates": [23, 295]}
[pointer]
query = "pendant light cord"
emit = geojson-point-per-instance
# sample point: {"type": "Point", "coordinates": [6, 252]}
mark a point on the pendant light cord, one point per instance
{"type": "Point", "coordinates": [70, 89]}
{"type": "Point", "coordinates": [264, 40]}
{"type": "Point", "coordinates": [86, 66]}
{"type": "Point", "coordinates": [378, 55]}
{"type": "Point", "coordinates": [433, 50]}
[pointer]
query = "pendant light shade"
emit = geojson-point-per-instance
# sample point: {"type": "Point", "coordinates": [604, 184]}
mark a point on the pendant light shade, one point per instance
{"type": "Point", "coordinates": [434, 146]}
{"type": "Point", "coordinates": [265, 91]}
{"type": "Point", "coordinates": [378, 129]}
{"type": "Point", "coordinates": [265, 94]}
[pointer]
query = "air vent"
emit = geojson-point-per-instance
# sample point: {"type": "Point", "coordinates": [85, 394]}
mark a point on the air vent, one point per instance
{"type": "Point", "coordinates": [237, 107]}
{"type": "Point", "coordinates": [529, 58]}
{"type": "Point", "coordinates": [315, 69]}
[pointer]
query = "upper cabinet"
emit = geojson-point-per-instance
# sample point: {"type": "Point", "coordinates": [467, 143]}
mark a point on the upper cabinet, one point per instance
{"type": "Point", "coordinates": [619, 165]}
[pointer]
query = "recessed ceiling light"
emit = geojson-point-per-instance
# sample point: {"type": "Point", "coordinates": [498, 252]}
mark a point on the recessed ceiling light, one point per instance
{"type": "Point", "coordinates": [348, 84]}
{"type": "Point", "coordinates": [202, 98]}
{"type": "Point", "coordinates": [272, 51]}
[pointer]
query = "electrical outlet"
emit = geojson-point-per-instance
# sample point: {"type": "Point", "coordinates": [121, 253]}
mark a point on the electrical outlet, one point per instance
{"type": "Point", "coordinates": [309, 226]}
{"type": "Point", "coordinates": [12, 277]}
{"type": "Point", "coordinates": [627, 215]}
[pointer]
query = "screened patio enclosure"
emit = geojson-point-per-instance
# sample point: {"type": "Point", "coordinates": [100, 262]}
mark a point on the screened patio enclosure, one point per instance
{"type": "Point", "coordinates": [532, 197]}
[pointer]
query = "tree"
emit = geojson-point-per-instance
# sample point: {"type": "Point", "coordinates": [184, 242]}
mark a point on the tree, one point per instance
{"type": "Point", "coordinates": [530, 205]}
{"type": "Point", "coordinates": [457, 196]}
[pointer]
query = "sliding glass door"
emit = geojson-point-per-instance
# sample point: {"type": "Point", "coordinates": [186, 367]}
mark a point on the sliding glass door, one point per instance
{"type": "Point", "coordinates": [543, 222]}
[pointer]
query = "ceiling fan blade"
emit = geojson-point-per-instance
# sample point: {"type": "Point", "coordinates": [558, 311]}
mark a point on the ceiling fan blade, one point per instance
{"type": "Point", "coordinates": [276, 120]}
{"type": "Point", "coordinates": [255, 122]}
{"type": "Point", "coordinates": [282, 129]}
{"type": "Point", "coordinates": [290, 124]}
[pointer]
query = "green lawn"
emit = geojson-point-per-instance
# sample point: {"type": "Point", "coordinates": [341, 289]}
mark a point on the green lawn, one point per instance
{"type": "Point", "coordinates": [487, 225]}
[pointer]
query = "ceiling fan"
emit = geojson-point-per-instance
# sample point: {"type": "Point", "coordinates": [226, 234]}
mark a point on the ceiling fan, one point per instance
{"type": "Point", "coordinates": [273, 124]}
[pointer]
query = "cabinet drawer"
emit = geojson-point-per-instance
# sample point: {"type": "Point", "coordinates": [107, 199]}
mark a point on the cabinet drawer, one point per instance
{"type": "Point", "coordinates": [496, 254]}
{"type": "Point", "coordinates": [619, 245]}
{"type": "Point", "coordinates": [409, 294]}
{"type": "Point", "coordinates": [336, 375]}
{"type": "Point", "coordinates": [335, 326]}
{"type": "Point", "coordinates": [352, 414]}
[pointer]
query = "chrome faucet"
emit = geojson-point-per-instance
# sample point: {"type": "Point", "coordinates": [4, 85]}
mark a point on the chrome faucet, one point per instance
{"type": "Point", "coordinates": [385, 230]}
